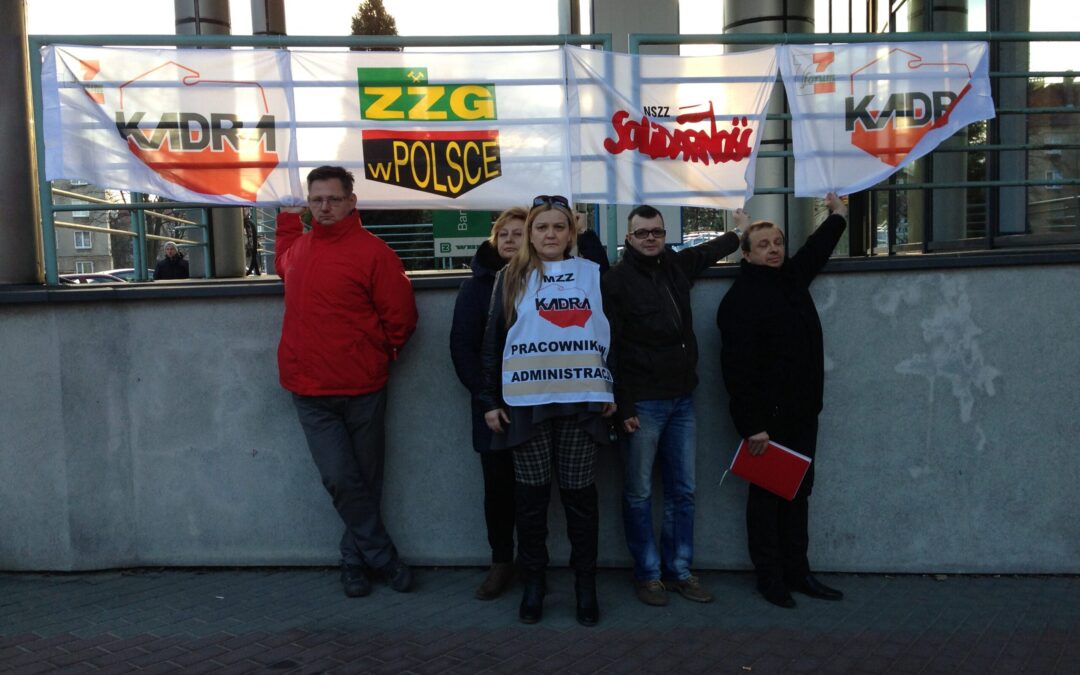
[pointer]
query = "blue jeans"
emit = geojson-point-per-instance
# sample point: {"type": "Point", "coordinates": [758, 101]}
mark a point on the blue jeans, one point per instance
{"type": "Point", "coordinates": [667, 432]}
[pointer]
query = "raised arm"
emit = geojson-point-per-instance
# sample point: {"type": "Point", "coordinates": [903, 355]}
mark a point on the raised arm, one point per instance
{"type": "Point", "coordinates": [590, 248]}
{"type": "Point", "coordinates": [813, 255]}
{"type": "Point", "coordinates": [289, 229]}
{"type": "Point", "coordinates": [696, 259]}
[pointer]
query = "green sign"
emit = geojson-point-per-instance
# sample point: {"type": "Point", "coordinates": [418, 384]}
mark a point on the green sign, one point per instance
{"type": "Point", "coordinates": [459, 233]}
{"type": "Point", "coordinates": [404, 94]}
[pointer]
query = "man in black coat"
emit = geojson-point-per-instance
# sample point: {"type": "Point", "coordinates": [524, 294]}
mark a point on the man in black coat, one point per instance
{"type": "Point", "coordinates": [773, 366]}
{"type": "Point", "coordinates": [172, 266]}
{"type": "Point", "coordinates": [647, 300]}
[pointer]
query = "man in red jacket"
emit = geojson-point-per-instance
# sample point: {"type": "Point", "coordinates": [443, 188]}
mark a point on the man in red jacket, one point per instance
{"type": "Point", "coordinates": [349, 308]}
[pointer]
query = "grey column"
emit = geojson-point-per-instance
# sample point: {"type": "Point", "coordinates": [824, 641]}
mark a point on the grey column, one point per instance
{"type": "Point", "coordinates": [621, 18]}
{"type": "Point", "coordinates": [20, 257]}
{"type": "Point", "coordinates": [773, 17]}
{"type": "Point", "coordinates": [268, 17]}
{"type": "Point", "coordinates": [211, 17]}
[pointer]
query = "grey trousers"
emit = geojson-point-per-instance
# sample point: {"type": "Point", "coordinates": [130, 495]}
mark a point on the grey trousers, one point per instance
{"type": "Point", "coordinates": [346, 437]}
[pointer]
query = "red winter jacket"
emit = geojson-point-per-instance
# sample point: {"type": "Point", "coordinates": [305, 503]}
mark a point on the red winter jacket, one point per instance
{"type": "Point", "coordinates": [349, 307]}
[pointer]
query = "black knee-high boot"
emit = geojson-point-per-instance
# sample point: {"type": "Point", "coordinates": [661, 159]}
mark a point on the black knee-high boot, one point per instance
{"type": "Point", "coordinates": [582, 527]}
{"type": "Point", "coordinates": [531, 506]}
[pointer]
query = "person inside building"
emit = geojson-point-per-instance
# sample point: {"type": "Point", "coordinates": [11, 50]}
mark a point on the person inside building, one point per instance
{"type": "Point", "coordinates": [173, 266]}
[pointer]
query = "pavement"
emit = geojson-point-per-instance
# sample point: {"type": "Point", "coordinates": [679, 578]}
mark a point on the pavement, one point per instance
{"type": "Point", "coordinates": [297, 621]}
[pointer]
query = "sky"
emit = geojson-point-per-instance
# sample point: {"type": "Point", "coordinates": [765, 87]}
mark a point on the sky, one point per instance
{"type": "Point", "coordinates": [334, 17]}
{"type": "Point", "coordinates": [474, 17]}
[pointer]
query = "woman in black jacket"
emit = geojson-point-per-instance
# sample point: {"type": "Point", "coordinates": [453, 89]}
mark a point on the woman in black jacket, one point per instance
{"type": "Point", "coordinates": [466, 336]}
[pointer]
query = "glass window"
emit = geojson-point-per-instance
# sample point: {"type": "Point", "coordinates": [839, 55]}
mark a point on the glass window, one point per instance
{"type": "Point", "coordinates": [84, 266]}
{"type": "Point", "coordinates": [84, 240]}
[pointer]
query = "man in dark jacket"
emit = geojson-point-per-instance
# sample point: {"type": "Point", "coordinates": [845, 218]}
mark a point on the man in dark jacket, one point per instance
{"type": "Point", "coordinates": [172, 266]}
{"type": "Point", "coordinates": [773, 366]}
{"type": "Point", "coordinates": [647, 299]}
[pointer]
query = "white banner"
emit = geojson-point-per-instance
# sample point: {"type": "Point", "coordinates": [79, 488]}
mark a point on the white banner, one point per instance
{"type": "Point", "coordinates": [862, 112]}
{"type": "Point", "coordinates": [418, 130]}
{"type": "Point", "coordinates": [436, 130]}
{"type": "Point", "coordinates": [192, 125]}
{"type": "Point", "coordinates": [476, 130]}
{"type": "Point", "coordinates": [667, 129]}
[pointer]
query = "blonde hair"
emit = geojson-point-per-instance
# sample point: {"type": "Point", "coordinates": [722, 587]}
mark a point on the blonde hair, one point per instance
{"type": "Point", "coordinates": [517, 272]}
{"type": "Point", "coordinates": [512, 213]}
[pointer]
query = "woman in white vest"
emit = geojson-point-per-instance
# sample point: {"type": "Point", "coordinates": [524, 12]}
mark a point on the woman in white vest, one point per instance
{"type": "Point", "coordinates": [546, 390]}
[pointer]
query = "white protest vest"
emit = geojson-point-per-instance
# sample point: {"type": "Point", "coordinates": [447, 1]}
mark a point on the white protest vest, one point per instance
{"type": "Point", "coordinates": [556, 351]}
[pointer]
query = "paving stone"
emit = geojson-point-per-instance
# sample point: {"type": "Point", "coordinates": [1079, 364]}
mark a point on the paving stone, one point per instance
{"type": "Point", "coordinates": [296, 620]}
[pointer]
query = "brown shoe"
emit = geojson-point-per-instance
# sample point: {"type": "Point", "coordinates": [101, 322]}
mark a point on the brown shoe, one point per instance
{"type": "Point", "coordinates": [651, 592]}
{"type": "Point", "coordinates": [691, 589]}
{"type": "Point", "coordinates": [498, 580]}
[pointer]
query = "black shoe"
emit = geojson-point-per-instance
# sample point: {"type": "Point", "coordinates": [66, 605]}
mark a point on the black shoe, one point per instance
{"type": "Point", "coordinates": [588, 609]}
{"type": "Point", "coordinates": [532, 600]}
{"type": "Point", "coordinates": [809, 585]}
{"type": "Point", "coordinates": [776, 593]}
{"type": "Point", "coordinates": [354, 581]}
{"type": "Point", "coordinates": [398, 575]}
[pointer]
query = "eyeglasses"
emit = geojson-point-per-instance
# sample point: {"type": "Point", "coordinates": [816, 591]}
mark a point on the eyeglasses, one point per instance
{"type": "Point", "coordinates": [329, 201]}
{"type": "Point", "coordinates": [655, 233]}
{"type": "Point", "coordinates": [551, 200]}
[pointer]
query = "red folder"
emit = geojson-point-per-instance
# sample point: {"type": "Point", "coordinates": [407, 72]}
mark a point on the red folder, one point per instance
{"type": "Point", "coordinates": [779, 470]}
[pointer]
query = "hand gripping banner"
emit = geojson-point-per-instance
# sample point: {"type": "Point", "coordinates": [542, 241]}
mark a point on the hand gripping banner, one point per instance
{"type": "Point", "coordinates": [667, 129]}
{"type": "Point", "coordinates": [862, 112]}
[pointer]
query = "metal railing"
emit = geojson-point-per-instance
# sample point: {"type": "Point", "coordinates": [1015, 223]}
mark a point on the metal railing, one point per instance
{"type": "Point", "coordinates": [993, 236]}
{"type": "Point", "coordinates": [410, 240]}
{"type": "Point", "coordinates": [138, 206]}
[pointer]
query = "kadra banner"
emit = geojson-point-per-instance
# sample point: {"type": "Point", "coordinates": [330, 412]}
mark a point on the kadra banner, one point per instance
{"type": "Point", "coordinates": [862, 112]}
{"type": "Point", "coordinates": [193, 125]}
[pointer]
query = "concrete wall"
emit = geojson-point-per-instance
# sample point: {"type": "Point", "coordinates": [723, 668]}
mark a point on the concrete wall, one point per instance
{"type": "Point", "coordinates": [154, 433]}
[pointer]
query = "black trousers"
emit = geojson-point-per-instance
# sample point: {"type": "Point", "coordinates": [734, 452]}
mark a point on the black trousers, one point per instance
{"type": "Point", "coordinates": [347, 439]}
{"type": "Point", "coordinates": [498, 468]}
{"type": "Point", "coordinates": [776, 529]}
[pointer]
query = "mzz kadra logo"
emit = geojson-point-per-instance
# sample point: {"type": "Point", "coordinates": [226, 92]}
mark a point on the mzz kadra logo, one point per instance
{"type": "Point", "coordinates": [444, 163]}
{"type": "Point", "coordinates": [563, 305]}
{"type": "Point", "coordinates": [212, 153]}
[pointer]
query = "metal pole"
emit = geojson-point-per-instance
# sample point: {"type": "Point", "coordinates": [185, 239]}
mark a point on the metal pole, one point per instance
{"type": "Point", "coordinates": [204, 18]}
